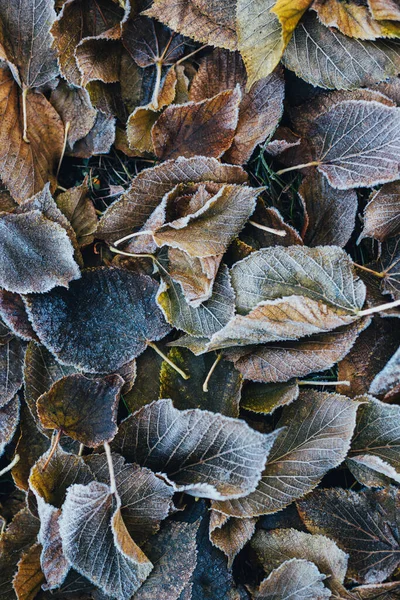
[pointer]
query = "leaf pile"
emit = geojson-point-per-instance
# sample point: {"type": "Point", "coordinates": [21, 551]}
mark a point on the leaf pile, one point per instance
{"type": "Point", "coordinates": [199, 299]}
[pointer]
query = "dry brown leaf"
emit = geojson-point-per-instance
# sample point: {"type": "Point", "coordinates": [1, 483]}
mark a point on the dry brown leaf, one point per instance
{"type": "Point", "coordinates": [74, 107]}
{"type": "Point", "coordinates": [384, 9]}
{"type": "Point", "coordinates": [29, 578]}
{"type": "Point", "coordinates": [197, 128]}
{"type": "Point", "coordinates": [230, 534]}
{"type": "Point", "coordinates": [218, 71]}
{"type": "Point", "coordinates": [139, 127]}
{"type": "Point", "coordinates": [382, 213]}
{"type": "Point", "coordinates": [9, 419]}
{"type": "Point", "coordinates": [80, 211]}
{"type": "Point", "coordinates": [98, 58]}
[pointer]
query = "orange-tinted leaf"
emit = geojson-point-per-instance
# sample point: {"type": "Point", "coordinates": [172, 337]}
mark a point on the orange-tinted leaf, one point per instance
{"type": "Point", "coordinates": [28, 579]}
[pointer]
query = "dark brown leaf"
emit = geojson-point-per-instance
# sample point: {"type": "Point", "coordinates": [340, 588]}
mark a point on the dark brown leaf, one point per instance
{"type": "Point", "coordinates": [9, 419]}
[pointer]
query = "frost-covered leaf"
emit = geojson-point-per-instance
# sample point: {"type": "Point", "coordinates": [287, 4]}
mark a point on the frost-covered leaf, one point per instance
{"type": "Point", "coordinates": [97, 544]}
{"type": "Point", "coordinates": [12, 352]}
{"type": "Point", "coordinates": [206, 454]}
{"type": "Point", "coordinates": [326, 58]}
{"type": "Point", "coordinates": [302, 454]}
{"type": "Point", "coordinates": [382, 213]}
{"type": "Point", "coordinates": [84, 409]}
{"type": "Point", "coordinates": [13, 313]}
{"type": "Point", "coordinates": [363, 524]}
{"type": "Point", "coordinates": [218, 71]}
{"type": "Point", "coordinates": [26, 237]}
{"type": "Point", "coordinates": [116, 318]}
{"type": "Point", "coordinates": [80, 212]}
{"type": "Point", "coordinates": [295, 578]}
{"type": "Point", "coordinates": [30, 446]}
{"type": "Point", "coordinates": [74, 107]}
{"type": "Point", "coordinates": [384, 9]}
{"type": "Point", "coordinates": [383, 591]}
{"type": "Point", "coordinates": [29, 578]}
{"type": "Point", "coordinates": [197, 128]}
{"type": "Point", "coordinates": [54, 565]}
{"type": "Point", "coordinates": [388, 378]}
{"type": "Point", "coordinates": [229, 534]}
{"type": "Point", "coordinates": [9, 419]}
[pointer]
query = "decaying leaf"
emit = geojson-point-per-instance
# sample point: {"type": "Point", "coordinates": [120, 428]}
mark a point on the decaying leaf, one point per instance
{"type": "Point", "coordinates": [9, 418]}
{"type": "Point", "coordinates": [196, 465]}
{"type": "Point", "coordinates": [265, 399]}
{"type": "Point", "coordinates": [80, 212]}
{"type": "Point", "coordinates": [12, 352]}
{"type": "Point", "coordinates": [84, 409]}
{"type": "Point", "coordinates": [13, 313]}
{"type": "Point", "coordinates": [384, 9]}
{"type": "Point", "coordinates": [96, 542]}
{"type": "Point", "coordinates": [74, 107]}
{"type": "Point", "coordinates": [54, 565]}
{"type": "Point", "coordinates": [382, 213]}
{"type": "Point", "coordinates": [230, 534]}
{"type": "Point", "coordinates": [29, 577]}
{"type": "Point", "coordinates": [363, 524]}
{"type": "Point", "coordinates": [295, 578]}
{"type": "Point", "coordinates": [300, 456]}
{"type": "Point", "coordinates": [388, 378]}
{"type": "Point", "coordinates": [114, 297]}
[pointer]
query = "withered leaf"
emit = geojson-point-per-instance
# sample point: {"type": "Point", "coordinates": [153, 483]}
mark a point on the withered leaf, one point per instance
{"type": "Point", "coordinates": [80, 212]}
{"type": "Point", "coordinates": [384, 9]}
{"type": "Point", "coordinates": [377, 435]}
{"type": "Point", "coordinates": [84, 409]}
{"type": "Point", "coordinates": [322, 274]}
{"type": "Point", "coordinates": [173, 553]}
{"type": "Point", "coordinates": [276, 546]}
{"type": "Point", "coordinates": [265, 399]}
{"type": "Point", "coordinates": [149, 187]}
{"type": "Point", "coordinates": [29, 577]}
{"type": "Point", "coordinates": [229, 534]}
{"type": "Point", "coordinates": [224, 387]}
{"type": "Point", "coordinates": [12, 352]}
{"type": "Point", "coordinates": [145, 387]}
{"type": "Point", "coordinates": [145, 498]}
{"type": "Point", "coordinates": [24, 238]}
{"type": "Point", "coordinates": [218, 71]}
{"type": "Point", "coordinates": [363, 524]}
{"type": "Point", "coordinates": [30, 446]}
{"type": "Point", "coordinates": [326, 58]}
{"type": "Point", "coordinates": [331, 213]}
{"type": "Point", "coordinates": [195, 275]}
{"type": "Point", "coordinates": [270, 218]}
{"type": "Point", "coordinates": [295, 578]}
{"type": "Point", "coordinates": [98, 57]}
{"type": "Point", "coordinates": [197, 465]}
{"type": "Point", "coordinates": [96, 542]}
{"type": "Point", "coordinates": [208, 22]}
{"type": "Point", "coordinates": [13, 313]}
{"type": "Point", "coordinates": [9, 419]}
{"type": "Point", "coordinates": [26, 26]}
{"type": "Point", "coordinates": [388, 378]}
{"type": "Point", "coordinates": [74, 107]}
{"type": "Point", "coordinates": [99, 139]}
{"type": "Point", "coordinates": [383, 591]}
{"type": "Point", "coordinates": [139, 128]}
{"type": "Point", "coordinates": [382, 213]}
{"type": "Point", "coordinates": [122, 301]}
{"type": "Point", "coordinates": [26, 167]}
{"type": "Point", "coordinates": [197, 128]}
{"type": "Point", "coordinates": [54, 565]}
{"type": "Point", "coordinates": [301, 455]}
{"type": "Point", "coordinates": [284, 361]}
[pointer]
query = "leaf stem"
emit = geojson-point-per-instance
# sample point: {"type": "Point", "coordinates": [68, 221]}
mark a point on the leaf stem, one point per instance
{"type": "Point", "coordinates": [376, 273]}
{"type": "Point", "coordinates": [181, 60]}
{"type": "Point", "coordinates": [380, 308]}
{"type": "Point", "coordinates": [24, 116]}
{"type": "Point", "coordinates": [316, 382]}
{"type": "Point", "coordinates": [66, 130]}
{"type": "Point", "coordinates": [81, 449]}
{"type": "Point", "coordinates": [113, 485]}
{"type": "Point", "coordinates": [169, 361]}
{"type": "Point", "coordinates": [156, 91]}
{"type": "Point", "coordinates": [313, 163]}
{"type": "Point", "coordinates": [54, 444]}
{"type": "Point", "coordinates": [210, 372]}
{"type": "Point", "coordinates": [12, 464]}
{"type": "Point", "coordinates": [116, 251]}
{"type": "Point", "coordinates": [132, 235]}
{"type": "Point", "coordinates": [279, 232]}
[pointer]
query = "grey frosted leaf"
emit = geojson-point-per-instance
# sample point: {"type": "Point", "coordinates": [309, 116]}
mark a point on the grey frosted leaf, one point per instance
{"type": "Point", "coordinates": [149, 187]}
{"type": "Point", "coordinates": [295, 579]}
{"type": "Point", "coordinates": [276, 546]}
{"type": "Point", "coordinates": [173, 551]}
{"type": "Point", "coordinates": [372, 471]}
{"type": "Point", "coordinates": [11, 365]}
{"type": "Point", "coordinates": [331, 214]}
{"type": "Point", "coordinates": [230, 535]}
{"type": "Point", "coordinates": [13, 313]}
{"type": "Point", "coordinates": [266, 398]}
{"type": "Point", "coordinates": [326, 58]}
{"type": "Point", "coordinates": [99, 139]}
{"type": "Point", "coordinates": [381, 591]}
{"type": "Point", "coordinates": [97, 544]}
{"type": "Point", "coordinates": [388, 378]}
{"type": "Point", "coordinates": [54, 565]}
{"type": "Point", "coordinates": [104, 320]}
{"type": "Point", "coordinates": [74, 107]}
{"type": "Point", "coordinates": [324, 274]}
{"type": "Point", "coordinates": [9, 419]}
{"type": "Point", "coordinates": [356, 144]}
{"type": "Point", "coordinates": [203, 453]}
{"type": "Point", "coordinates": [26, 237]}
{"type": "Point", "coordinates": [27, 26]}
{"type": "Point", "coordinates": [301, 455]}
{"type": "Point", "coordinates": [286, 360]}
{"type": "Point", "coordinates": [363, 524]}
{"type": "Point", "coordinates": [208, 317]}
{"type": "Point", "coordinates": [382, 213]}
{"type": "Point", "coordinates": [378, 433]}
{"type": "Point", "coordinates": [146, 500]}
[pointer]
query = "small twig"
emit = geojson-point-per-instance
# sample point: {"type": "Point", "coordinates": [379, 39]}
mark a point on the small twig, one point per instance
{"type": "Point", "coordinates": [313, 163]}
{"type": "Point", "coordinates": [279, 232]}
{"type": "Point", "coordinates": [66, 130]}
{"type": "Point", "coordinates": [169, 361]}
{"type": "Point", "coordinates": [113, 485]}
{"type": "Point", "coordinates": [53, 448]}
{"type": "Point", "coordinates": [24, 116]}
{"type": "Point", "coordinates": [12, 464]}
{"type": "Point", "coordinates": [316, 382]}
{"type": "Point", "coordinates": [210, 372]}
{"type": "Point", "coordinates": [380, 308]}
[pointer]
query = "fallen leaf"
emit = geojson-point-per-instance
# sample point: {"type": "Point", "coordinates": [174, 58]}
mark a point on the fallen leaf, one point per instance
{"type": "Point", "coordinates": [9, 419]}
{"type": "Point", "coordinates": [14, 316]}
{"type": "Point", "coordinates": [99, 139]}
{"type": "Point", "coordinates": [384, 9]}
{"type": "Point", "coordinates": [84, 409]}
{"type": "Point", "coordinates": [382, 214]}
{"type": "Point", "coordinates": [218, 71]}
{"type": "Point", "coordinates": [388, 378]}
{"type": "Point", "coordinates": [12, 352]}
{"type": "Point", "coordinates": [54, 565]}
{"type": "Point", "coordinates": [384, 591]}
{"type": "Point", "coordinates": [91, 519]}
{"type": "Point", "coordinates": [74, 107]}
{"type": "Point", "coordinates": [301, 455]}
{"type": "Point", "coordinates": [30, 446]}
{"type": "Point", "coordinates": [80, 211]}
{"type": "Point", "coordinates": [196, 466]}
{"type": "Point", "coordinates": [195, 275]}
{"type": "Point", "coordinates": [98, 57]}
{"type": "Point", "coordinates": [145, 387]}
{"type": "Point", "coordinates": [197, 128]}
{"type": "Point", "coordinates": [139, 128]}
{"type": "Point", "coordinates": [230, 535]}
{"type": "Point", "coordinates": [295, 578]}
{"type": "Point", "coordinates": [112, 296]}
{"type": "Point", "coordinates": [363, 524]}
{"type": "Point", "coordinates": [265, 399]}
{"type": "Point", "coordinates": [28, 579]}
